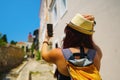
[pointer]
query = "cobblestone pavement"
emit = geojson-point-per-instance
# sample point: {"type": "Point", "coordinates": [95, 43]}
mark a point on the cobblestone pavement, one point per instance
{"type": "Point", "coordinates": [35, 70]}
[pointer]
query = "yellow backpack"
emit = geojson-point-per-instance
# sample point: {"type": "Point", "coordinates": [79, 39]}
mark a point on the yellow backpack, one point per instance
{"type": "Point", "coordinates": [83, 68]}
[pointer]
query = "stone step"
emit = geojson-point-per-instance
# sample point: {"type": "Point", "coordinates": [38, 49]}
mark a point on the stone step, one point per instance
{"type": "Point", "coordinates": [36, 70]}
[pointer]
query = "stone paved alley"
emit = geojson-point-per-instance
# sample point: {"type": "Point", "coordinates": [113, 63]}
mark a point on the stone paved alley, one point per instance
{"type": "Point", "coordinates": [32, 70]}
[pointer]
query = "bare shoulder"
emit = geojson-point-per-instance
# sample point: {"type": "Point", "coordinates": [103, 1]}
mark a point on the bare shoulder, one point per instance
{"type": "Point", "coordinates": [99, 51]}
{"type": "Point", "coordinates": [98, 57]}
{"type": "Point", "coordinates": [53, 55]}
{"type": "Point", "coordinates": [55, 51]}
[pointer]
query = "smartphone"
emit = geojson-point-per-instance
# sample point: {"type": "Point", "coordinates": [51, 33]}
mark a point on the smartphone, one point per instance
{"type": "Point", "coordinates": [50, 30]}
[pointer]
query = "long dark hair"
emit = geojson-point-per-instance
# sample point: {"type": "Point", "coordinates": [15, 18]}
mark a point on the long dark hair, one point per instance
{"type": "Point", "coordinates": [74, 38]}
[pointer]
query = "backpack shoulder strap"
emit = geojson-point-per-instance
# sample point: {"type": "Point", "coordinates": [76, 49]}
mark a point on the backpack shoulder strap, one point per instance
{"type": "Point", "coordinates": [67, 53]}
{"type": "Point", "coordinates": [91, 54]}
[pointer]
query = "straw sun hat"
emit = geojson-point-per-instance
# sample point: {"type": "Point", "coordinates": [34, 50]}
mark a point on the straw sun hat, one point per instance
{"type": "Point", "coordinates": [82, 24]}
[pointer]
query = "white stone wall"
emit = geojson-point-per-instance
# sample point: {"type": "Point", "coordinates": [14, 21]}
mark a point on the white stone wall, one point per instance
{"type": "Point", "coordinates": [43, 20]}
{"type": "Point", "coordinates": [107, 35]}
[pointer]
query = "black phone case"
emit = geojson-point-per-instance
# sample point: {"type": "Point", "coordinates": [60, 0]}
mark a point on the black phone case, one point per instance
{"type": "Point", "coordinates": [50, 30]}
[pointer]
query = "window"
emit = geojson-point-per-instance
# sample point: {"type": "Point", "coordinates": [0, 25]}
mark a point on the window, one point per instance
{"type": "Point", "coordinates": [54, 14]}
{"type": "Point", "coordinates": [63, 7]}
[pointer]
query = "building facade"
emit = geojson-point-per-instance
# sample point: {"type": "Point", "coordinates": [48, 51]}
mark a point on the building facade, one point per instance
{"type": "Point", "coordinates": [30, 37]}
{"type": "Point", "coordinates": [36, 39]}
{"type": "Point", "coordinates": [21, 45]}
{"type": "Point", "coordinates": [107, 35]}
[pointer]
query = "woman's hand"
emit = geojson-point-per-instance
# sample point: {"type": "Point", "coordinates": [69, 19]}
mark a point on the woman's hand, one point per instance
{"type": "Point", "coordinates": [89, 17]}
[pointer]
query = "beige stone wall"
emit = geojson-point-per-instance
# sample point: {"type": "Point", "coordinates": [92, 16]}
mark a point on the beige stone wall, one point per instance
{"type": "Point", "coordinates": [10, 57]}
